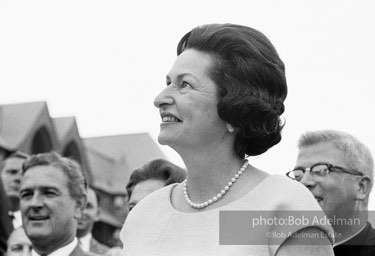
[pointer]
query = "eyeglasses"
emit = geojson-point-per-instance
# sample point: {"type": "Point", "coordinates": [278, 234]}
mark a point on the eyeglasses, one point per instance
{"type": "Point", "coordinates": [319, 170]}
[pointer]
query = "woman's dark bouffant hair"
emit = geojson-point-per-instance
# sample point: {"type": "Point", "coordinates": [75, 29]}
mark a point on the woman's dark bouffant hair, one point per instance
{"type": "Point", "coordinates": [251, 82]}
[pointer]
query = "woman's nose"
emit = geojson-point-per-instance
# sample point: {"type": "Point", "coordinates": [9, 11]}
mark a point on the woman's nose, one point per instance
{"type": "Point", "coordinates": [165, 97]}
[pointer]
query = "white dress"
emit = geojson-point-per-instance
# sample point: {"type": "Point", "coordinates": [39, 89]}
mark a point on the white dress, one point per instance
{"type": "Point", "coordinates": [155, 227]}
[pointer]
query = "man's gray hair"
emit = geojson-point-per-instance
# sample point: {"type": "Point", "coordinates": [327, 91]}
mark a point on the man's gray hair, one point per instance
{"type": "Point", "coordinates": [76, 181]}
{"type": "Point", "coordinates": [358, 155]}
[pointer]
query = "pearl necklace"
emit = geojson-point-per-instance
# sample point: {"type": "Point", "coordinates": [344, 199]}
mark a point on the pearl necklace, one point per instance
{"type": "Point", "coordinates": [219, 195]}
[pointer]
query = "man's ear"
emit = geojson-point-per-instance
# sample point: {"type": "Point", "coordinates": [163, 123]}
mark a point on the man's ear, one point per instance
{"type": "Point", "coordinates": [364, 185]}
{"type": "Point", "coordinates": [80, 206]}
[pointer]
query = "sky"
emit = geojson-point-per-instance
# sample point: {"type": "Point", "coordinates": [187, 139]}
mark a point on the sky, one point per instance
{"type": "Point", "coordinates": [105, 61]}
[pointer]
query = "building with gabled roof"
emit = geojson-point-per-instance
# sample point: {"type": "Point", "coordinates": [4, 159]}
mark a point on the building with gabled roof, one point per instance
{"type": "Point", "coordinates": [119, 155]}
{"type": "Point", "coordinates": [70, 142]}
{"type": "Point", "coordinates": [128, 151]}
{"type": "Point", "coordinates": [28, 127]}
{"type": "Point", "coordinates": [106, 161]}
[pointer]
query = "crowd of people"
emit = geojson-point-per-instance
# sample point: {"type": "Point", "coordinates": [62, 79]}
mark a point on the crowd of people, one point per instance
{"type": "Point", "coordinates": [222, 103]}
{"type": "Point", "coordinates": [57, 206]}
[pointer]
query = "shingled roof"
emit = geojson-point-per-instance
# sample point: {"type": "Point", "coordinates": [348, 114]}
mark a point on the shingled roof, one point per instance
{"type": "Point", "coordinates": [64, 126]}
{"type": "Point", "coordinates": [28, 127]}
{"type": "Point", "coordinates": [18, 120]}
{"type": "Point", "coordinates": [70, 142]}
{"type": "Point", "coordinates": [113, 158]}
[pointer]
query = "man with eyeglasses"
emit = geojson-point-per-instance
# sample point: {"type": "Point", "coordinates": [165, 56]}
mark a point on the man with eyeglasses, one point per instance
{"type": "Point", "coordinates": [6, 226]}
{"type": "Point", "coordinates": [338, 171]}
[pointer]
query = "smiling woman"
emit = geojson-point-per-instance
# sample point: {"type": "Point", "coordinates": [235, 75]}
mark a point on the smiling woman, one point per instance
{"type": "Point", "coordinates": [223, 100]}
{"type": "Point", "coordinates": [187, 105]}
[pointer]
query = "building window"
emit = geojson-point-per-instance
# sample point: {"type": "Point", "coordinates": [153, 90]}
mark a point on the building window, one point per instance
{"type": "Point", "coordinates": [42, 141]}
{"type": "Point", "coordinates": [72, 151]}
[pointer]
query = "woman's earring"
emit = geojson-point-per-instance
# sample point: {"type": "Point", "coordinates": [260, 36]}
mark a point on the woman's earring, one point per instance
{"type": "Point", "coordinates": [230, 128]}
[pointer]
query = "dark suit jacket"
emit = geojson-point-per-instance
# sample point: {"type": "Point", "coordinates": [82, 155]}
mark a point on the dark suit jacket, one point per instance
{"type": "Point", "coordinates": [97, 247]}
{"type": "Point", "coordinates": [362, 244]}
{"type": "Point", "coordinates": [6, 225]}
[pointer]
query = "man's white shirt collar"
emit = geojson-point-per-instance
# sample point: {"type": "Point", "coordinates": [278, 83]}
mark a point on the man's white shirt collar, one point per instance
{"type": "Point", "coordinates": [84, 242]}
{"type": "Point", "coordinates": [17, 219]}
{"type": "Point", "coordinates": [62, 251]}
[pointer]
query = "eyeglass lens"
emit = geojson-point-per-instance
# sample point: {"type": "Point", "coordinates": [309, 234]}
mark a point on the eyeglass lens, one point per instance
{"type": "Point", "coordinates": [317, 170]}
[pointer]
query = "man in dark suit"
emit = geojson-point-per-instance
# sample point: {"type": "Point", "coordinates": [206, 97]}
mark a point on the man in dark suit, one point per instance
{"type": "Point", "coordinates": [338, 170]}
{"type": "Point", "coordinates": [10, 173]}
{"type": "Point", "coordinates": [5, 222]}
{"type": "Point", "coordinates": [6, 226]}
{"type": "Point", "coordinates": [86, 224]}
{"type": "Point", "coordinates": [53, 196]}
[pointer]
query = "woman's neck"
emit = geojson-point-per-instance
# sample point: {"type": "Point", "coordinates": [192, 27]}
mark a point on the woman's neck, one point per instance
{"type": "Point", "coordinates": [209, 171]}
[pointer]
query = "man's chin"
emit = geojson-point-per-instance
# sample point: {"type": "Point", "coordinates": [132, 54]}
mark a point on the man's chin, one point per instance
{"type": "Point", "coordinates": [37, 234]}
{"type": "Point", "coordinates": [82, 231]}
{"type": "Point", "coordinates": [82, 226]}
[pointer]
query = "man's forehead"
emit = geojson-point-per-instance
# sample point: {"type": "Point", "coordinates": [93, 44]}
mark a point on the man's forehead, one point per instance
{"type": "Point", "coordinates": [325, 152]}
{"type": "Point", "coordinates": [18, 236]}
{"type": "Point", "coordinates": [44, 177]}
{"type": "Point", "coordinates": [144, 188]}
{"type": "Point", "coordinates": [38, 186]}
{"type": "Point", "coordinates": [14, 161]}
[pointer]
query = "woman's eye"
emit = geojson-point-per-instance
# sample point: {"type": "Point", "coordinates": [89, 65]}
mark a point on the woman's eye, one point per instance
{"type": "Point", "coordinates": [184, 84]}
